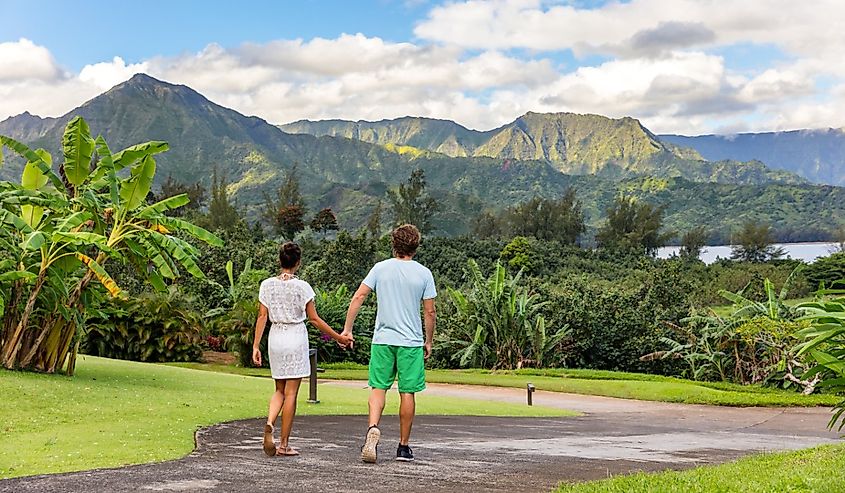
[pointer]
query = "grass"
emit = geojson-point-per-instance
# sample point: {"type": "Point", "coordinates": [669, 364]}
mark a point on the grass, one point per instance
{"type": "Point", "coordinates": [820, 469]}
{"type": "Point", "coordinates": [589, 382]}
{"type": "Point", "coordinates": [114, 413]}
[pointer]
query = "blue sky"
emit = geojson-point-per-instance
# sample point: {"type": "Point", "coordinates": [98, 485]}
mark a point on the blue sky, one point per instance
{"type": "Point", "coordinates": [104, 29]}
{"type": "Point", "coordinates": [685, 66]}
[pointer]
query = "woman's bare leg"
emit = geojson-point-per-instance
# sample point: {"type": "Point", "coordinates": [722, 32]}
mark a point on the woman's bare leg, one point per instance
{"type": "Point", "coordinates": [277, 400]}
{"type": "Point", "coordinates": [291, 389]}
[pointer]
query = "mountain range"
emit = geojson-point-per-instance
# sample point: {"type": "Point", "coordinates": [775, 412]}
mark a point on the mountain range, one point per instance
{"type": "Point", "coordinates": [818, 155]}
{"type": "Point", "coordinates": [574, 144]}
{"type": "Point", "coordinates": [349, 166]}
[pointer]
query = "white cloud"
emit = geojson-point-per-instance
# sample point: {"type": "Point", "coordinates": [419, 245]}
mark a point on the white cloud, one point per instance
{"type": "Point", "coordinates": [24, 60]}
{"type": "Point", "coordinates": [662, 69]}
{"type": "Point", "coordinates": [108, 74]}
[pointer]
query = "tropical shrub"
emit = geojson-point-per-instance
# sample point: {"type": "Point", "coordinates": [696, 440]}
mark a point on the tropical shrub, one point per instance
{"type": "Point", "coordinates": [235, 319]}
{"type": "Point", "coordinates": [60, 229]}
{"type": "Point", "coordinates": [754, 344]}
{"type": "Point", "coordinates": [824, 343]}
{"type": "Point", "coordinates": [499, 323]}
{"type": "Point", "coordinates": [156, 327]}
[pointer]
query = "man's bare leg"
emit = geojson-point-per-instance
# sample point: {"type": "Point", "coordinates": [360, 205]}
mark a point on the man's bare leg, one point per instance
{"type": "Point", "coordinates": [377, 398]}
{"type": "Point", "coordinates": [376, 404]}
{"type": "Point", "coordinates": [407, 410]}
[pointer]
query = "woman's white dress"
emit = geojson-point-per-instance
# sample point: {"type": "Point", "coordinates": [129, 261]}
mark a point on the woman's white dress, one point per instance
{"type": "Point", "coordinates": [285, 300]}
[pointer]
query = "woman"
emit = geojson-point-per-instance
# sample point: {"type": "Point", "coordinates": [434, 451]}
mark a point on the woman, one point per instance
{"type": "Point", "coordinates": [287, 302]}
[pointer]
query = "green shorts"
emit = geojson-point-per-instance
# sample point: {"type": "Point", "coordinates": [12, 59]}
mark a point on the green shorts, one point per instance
{"type": "Point", "coordinates": [386, 361]}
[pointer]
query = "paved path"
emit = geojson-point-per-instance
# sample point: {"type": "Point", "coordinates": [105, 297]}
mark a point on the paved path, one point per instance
{"type": "Point", "coordinates": [464, 454]}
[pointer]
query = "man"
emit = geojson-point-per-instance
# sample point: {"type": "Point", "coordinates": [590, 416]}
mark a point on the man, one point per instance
{"type": "Point", "coordinates": [399, 347]}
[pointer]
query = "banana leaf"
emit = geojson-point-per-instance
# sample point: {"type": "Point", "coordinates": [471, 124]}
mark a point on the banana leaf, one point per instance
{"type": "Point", "coordinates": [106, 165]}
{"type": "Point", "coordinates": [33, 157]}
{"type": "Point", "coordinates": [134, 190]}
{"type": "Point", "coordinates": [77, 147]}
{"type": "Point", "coordinates": [101, 275]}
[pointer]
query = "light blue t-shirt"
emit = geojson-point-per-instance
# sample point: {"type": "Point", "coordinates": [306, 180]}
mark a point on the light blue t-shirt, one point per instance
{"type": "Point", "coordinates": [400, 286]}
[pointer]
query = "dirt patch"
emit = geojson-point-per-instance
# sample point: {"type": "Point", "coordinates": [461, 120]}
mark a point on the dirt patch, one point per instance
{"type": "Point", "coordinates": [218, 358]}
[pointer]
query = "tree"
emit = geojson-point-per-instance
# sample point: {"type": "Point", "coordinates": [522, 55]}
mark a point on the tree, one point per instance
{"type": "Point", "coordinates": [693, 242]}
{"type": "Point", "coordinates": [374, 221]}
{"type": "Point", "coordinates": [222, 214]}
{"type": "Point", "coordinates": [839, 239]}
{"type": "Point", "coordinates": [488, 225]}
{"type": "Point", "coordinates": [290, 221]}
{"type": "Point", "coordinates": [546, 219]}
{"type": "Point", "coordinates": [286, 211]}
{"type": "Point", "coordinates": [412, 204]}
{"type": "Point", "coordinates": [633, 225]}
{"type": "Point", "coordinates": [755, 243]}
{"type": "Point", "coordinates": [172, 188]}
{"type": "Point", "coordinates": [517, 254]}
{"type": "Point", "coordinates": [57, 240]}
{"type": "Point", "coordinates": [324, 221]}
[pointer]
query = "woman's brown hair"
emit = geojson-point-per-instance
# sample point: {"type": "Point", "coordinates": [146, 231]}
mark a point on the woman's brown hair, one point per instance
{"type": "Point", "coordinates": [289, 255]}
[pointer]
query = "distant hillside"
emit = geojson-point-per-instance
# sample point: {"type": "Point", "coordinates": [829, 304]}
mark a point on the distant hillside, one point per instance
{"type": "Point", "coordinates": [818, 155]}
{"type": "Point", "coordinates": [352, 175]}
{"type": "Point", "coordinates": [572, 143]}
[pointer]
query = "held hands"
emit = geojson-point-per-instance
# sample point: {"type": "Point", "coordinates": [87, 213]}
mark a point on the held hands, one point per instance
{"type": "Point", "coordinates": [256, 356]}
{"type": "Point", "coordinates": [346, 340]}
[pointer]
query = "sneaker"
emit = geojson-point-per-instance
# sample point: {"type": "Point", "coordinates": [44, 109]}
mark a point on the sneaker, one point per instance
{"type": "Point", "coordinates": [369, 452]}
{"type": "Point", "coordinates": [404, 454]}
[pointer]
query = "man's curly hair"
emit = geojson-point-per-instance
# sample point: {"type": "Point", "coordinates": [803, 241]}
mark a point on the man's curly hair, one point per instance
{"type": "Point", "coordinates": [405, 240]}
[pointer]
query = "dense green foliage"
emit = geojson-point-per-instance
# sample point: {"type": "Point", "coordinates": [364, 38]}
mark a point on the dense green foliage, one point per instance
{"type": "Point", "coordinates": [412, 204]}
{"type": "Point", "coordinates": [154, 327]}
{"type": "Point", "coordinates": [827, 270]}
{"type": "Point", "coordinates": [825, 344]}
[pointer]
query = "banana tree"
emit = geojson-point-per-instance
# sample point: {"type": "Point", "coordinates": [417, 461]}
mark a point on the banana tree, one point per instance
{"type": "Point", "coordinates": [500, 323]}
{"type": "Point", "coordinates": [69, 224]}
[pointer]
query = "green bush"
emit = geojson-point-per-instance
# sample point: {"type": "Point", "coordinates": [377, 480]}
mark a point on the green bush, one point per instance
{"type": "Point", "coordinates": [826, 270]}
{"type": "Point", "coordinates": [332, 306]}
{"type": "Point", "coordinates": [152, 328]}
{"type": "Point", "coordinates": [612, 325]}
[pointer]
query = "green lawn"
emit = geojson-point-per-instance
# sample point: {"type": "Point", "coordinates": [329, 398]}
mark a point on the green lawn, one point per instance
{"type": "Point", "coordinates": [820, 469]}
{"type": "Point", "coordinates": [590, 382]}
{"type": "Point", "coordinates": [114, 413]}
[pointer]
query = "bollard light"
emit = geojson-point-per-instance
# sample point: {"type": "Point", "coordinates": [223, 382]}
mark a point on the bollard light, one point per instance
{"type": "Point", "coordinates": [312, 378]}
{"type": "Point", "coordinates": [530, 394]}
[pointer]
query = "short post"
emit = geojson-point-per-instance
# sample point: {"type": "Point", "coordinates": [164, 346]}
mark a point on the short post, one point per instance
{"type": "Point", "coordinates": [312, 379]}
{"type": "Point", "coordinates": [530, 394]}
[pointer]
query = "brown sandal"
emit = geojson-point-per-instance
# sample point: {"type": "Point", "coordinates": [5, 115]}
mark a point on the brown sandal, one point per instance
{"type": "Point", "coordinates": [287, 451]}
{"type": "Point", "coordinates": [269, 444]}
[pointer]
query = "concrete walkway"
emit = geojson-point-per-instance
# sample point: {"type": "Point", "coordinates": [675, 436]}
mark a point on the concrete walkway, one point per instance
{"type": "Point", "coordinates": [467, 453]}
